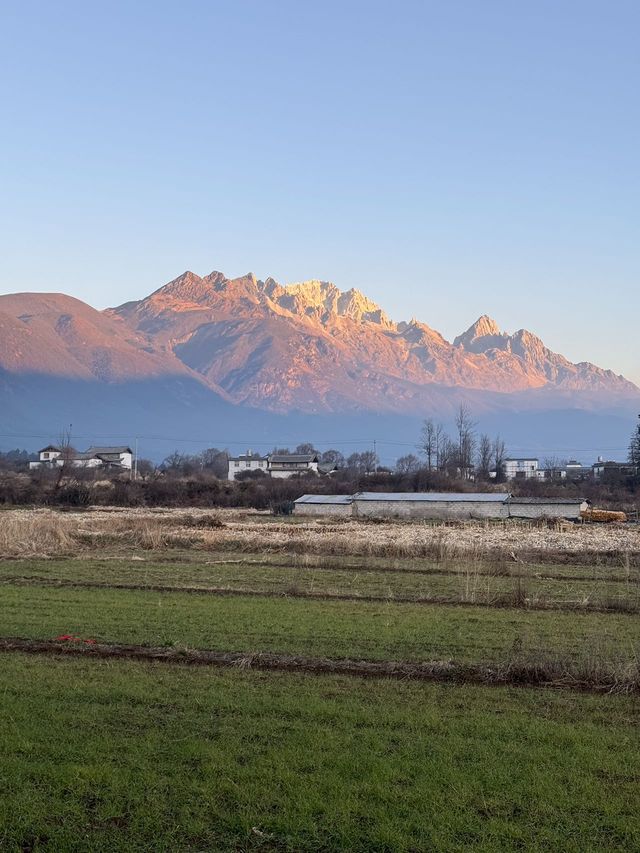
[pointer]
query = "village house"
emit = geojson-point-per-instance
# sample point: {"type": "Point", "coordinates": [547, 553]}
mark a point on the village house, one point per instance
{"type": "Point", "coordinates": [283, 465]}
{"type": "Point", "coordinates": [521, 469]}
{"type": "Point", "coordinates": [613, 470]}
{"type": "Point", "coordinates": [248, 461]}
{"type": "Point", "coordinates": [115, 458]}
{"type": "Point", "coordinates": [278, 465]}
{"type": "Point", "coordinates": [575, 470]}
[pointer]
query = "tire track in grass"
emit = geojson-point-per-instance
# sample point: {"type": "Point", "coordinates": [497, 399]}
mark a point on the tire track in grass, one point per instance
{"type": "Point", "coordinates": [552, 673]}
{"type": "Point", "coordinates": [500, 601]}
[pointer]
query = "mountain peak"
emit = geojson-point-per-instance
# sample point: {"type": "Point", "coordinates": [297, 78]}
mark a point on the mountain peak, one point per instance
{"type": "Point", "coordinates": [324, 301]}
{"type": "Point", "coordinates": [482, 335]}
{"type": "Point", "coordinates": [486, 325]}
{"type": "Point", "coordinates": [311, 346]}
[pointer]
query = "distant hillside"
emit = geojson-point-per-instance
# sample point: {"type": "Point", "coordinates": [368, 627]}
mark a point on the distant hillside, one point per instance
{"type": "Point", "coordinates": [243, 360]}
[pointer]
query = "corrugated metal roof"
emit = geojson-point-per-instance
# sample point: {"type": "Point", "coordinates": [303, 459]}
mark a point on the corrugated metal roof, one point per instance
{"type": "Point", "coordinates": [325, 499]}
{"type": "Point", "coordinates": [452, 497]}
{"type": "Point", "coordinates": [538, 501]}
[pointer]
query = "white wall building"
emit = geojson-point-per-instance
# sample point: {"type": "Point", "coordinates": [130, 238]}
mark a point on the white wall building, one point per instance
{"type": "Point", "coordinates": [521, 469]}
{"type": "Point", "coordinates": [248, 461]}
{"type": "Point", "coordinates": [284, 465]}
{"type": "Point", "coordinates": [119, 458]}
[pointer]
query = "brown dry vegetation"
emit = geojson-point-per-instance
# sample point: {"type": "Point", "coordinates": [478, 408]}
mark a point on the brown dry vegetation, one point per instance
{"type": "Point", "coordinates": [52, 533]}
{"type": "Point", "coordinates": [25, 534]}
{"type": "Point", "coordinates": [590, 673]}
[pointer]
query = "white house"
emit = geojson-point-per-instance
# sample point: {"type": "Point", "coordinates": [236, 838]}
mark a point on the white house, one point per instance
{"type": "Point", "coordinates": [521, 469]}
{"type": "Point", "coordinates": [247, 462]}
{"type": "Point", "coordinates": [48, 456]}
{"type": "Point", "coordinates": [115, 458]}
{"type": "Point", "coordinates": [283, 465]}
{"type": "Point", "coordinates": [278, 465]}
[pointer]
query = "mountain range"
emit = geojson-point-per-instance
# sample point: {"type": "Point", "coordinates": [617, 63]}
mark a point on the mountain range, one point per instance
{"type": "Point", "coordinates": [201, 350]}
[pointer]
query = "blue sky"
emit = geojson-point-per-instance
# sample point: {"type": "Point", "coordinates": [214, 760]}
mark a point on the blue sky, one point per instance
{"type": "Point", "coordinates": [449, 159]}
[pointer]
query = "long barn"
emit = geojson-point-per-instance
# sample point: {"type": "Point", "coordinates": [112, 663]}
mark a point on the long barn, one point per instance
{"type": "Point", "coordinates": [438, 505]}
{"type": "Point", "coordinates": [323, 505]}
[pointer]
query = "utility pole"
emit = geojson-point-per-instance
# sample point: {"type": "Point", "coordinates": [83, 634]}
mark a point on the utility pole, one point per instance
{"type": "Point", "coordinates": [135, 459]}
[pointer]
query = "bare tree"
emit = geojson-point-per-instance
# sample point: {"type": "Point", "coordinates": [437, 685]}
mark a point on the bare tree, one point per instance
{"type": "Point", "coordinates": [499, 453]}
{"type": "Point", "coordinates": [215, 461]}
{"type": "Point", "coordinates": [146, 469]}
{"type": "Point", "coordinates": [484, 456]}
{"type": "Point", "coordinates": [465, 428]}
{"type": "Point", "coordinates": [634, 446]}
{"type": "Point", "coordinates": [432, 437]}
{"type": "Point", "coordinates": [407, 464]}
{"type": "Point", "coordinates": [67, 454]}
{"type": "Point", "coordinates": [370, 461]}
{"type": "Point", "coordinates": [553, 465]}
{"type": "Point", "coordinates": [428, 443]}
{"type": "Point", "coordinates": [333, 457]}
{"type": "Point", "coordinates": [447, 456]}
{"type": "Point", "coordinates": [306, 448]}
{"type": "Point", "coordinates": [365, 462]}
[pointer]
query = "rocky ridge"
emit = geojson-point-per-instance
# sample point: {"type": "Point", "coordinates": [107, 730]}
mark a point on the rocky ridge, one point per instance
{"type": "Point", "coordinates": [312, 347]}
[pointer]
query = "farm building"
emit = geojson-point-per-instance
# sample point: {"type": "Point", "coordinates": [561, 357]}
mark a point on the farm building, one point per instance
{"type": "Point", "coordinates": [323, 505]}
{"type": "Point", "coordinates": [445, 506]}
{"type": "Point", "coordinates": [547, 508]}
{"type": "Point", "coordinates": [431, 505]}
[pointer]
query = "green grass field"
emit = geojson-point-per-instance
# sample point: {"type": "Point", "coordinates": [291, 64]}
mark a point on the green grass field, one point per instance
{"type": "Point", "coordinates": [548, 585]}
{"type": "Point", "coordinates": [120, 755]}
{"type": "Point", "coordinates": [128, 756]}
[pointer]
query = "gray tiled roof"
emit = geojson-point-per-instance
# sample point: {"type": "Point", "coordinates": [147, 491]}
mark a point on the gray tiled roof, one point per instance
{"type": "Point", "coordinates": [325, 499]}
{"type": "Point", "coordinates": [451, 497]}
{"type": "Point", "coordinates": [95, 450]}
{"type": "Point", "coordinates": [292, 458]}
{"type": "Point", "coordinates": [539, 501]}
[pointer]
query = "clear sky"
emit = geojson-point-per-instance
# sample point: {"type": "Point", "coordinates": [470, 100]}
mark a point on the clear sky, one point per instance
{"type": "Point", "coordinates": [447, 158]}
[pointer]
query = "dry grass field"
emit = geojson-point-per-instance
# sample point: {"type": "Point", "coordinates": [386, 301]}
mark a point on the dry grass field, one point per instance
{"type": "Point", "coordinates": [197, 680]}
{"type": "Point", "coordinates": [47, 532]}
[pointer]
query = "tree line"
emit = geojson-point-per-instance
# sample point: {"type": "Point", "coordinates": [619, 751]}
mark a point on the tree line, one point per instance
{"type": "Point", "coordinates": [465, 455]}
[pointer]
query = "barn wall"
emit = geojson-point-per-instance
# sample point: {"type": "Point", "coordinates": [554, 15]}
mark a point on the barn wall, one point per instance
{"type": "Point", "coordinates": [431, 509]}
{"type": "Point", "coordinates": [322, 509]}
{"type": "Point", "coordinates": [543, 510]}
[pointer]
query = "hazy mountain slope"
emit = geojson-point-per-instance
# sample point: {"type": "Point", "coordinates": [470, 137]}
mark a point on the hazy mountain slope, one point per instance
{"type": "Point", "coordinates": [57, 335]}
{"type": "Point", "coordinates": [207, 358]}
